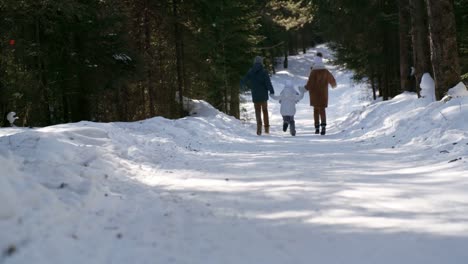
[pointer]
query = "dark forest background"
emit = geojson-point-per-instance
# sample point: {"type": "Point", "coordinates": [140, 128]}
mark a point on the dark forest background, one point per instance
{"type": "Point", "coordinates": [119, 60]}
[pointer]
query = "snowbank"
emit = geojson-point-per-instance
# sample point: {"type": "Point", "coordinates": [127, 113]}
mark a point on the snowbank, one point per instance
{"type": "Point", "coordinates": [459, 90]}
{"type": "Point", "coordinates": [406, 121]}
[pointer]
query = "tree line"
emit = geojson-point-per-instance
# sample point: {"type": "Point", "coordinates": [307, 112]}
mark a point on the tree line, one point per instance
{"type": "Point", "coordinates": [391, 44]}
{"type": "Point", "coordinates": [125, 60]}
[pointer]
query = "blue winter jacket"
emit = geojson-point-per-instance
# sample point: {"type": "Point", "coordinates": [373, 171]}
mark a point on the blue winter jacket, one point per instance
{"type": "Point", "coordinates": [258, 81]}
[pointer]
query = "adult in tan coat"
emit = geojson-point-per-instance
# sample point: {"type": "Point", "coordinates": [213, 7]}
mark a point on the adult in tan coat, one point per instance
{"type": "Point", "coordinates": [317, 85]}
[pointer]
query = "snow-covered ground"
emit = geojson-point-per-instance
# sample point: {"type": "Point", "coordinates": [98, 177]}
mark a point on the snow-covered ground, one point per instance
{"type": "Point", "coordinates": [387, 184]}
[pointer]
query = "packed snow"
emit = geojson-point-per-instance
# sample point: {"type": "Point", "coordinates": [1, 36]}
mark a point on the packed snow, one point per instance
{"type": "Point", "coordinates": [387, 184]}
{"type": "Point", "coordinates": [427, 87]}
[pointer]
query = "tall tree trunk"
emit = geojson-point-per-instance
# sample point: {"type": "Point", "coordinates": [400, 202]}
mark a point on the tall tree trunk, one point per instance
{"type": "Point", "coordinates": [373, 85]}
{"type": "Point", "coordinates": [420, 40]}
{"type": "Point", "coordinates": [234, 108]}
{"type": "Point", "coordinates": [380, 84]}
{"type": "Point", "coordinates": [185, 80]}
{"type": "Point", "coordinates": [143, 104]}
{"type": "Point", "coordinates": [118, 104]}
{"type": "Point", "coordinates": [178, 37]}
{"type": "Point", "coordinates": [394, 71]}
{"type": "Point", "coordinates": [285, 49]}
{"type": "Point", "coordinates": [65, 104]}
{"type": "Point", "coordinates": [444, 50]}
{"type": "Point", "coordinates": [162, 79]}
{"type": "Point", "coordinates": [304, 40]}
{"type": "Point", "coordinates": [125, 103]}
{"type": "Point", "coordinates": [149, 71]}
{"type": "Point", "coordinates": [292, 43]}
{"type": "Point", "coordinates": [43, 81]}
{"type": "Point", "coordinates": [405, 44]}
{"type": "Point", "coordinates": [388, 55]}
{"type": "Point", "coordinates": [81, 107]}
{"type": "Point", "coordinates": [226, 94]}
{"type": "Point", "coordinates": [83, 100]}
{"type": "Point", "coordinates": [3, 101]}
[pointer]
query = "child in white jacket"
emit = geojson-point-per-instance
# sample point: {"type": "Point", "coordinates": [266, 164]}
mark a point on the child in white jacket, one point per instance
{"type": "Point", "coordinates": [288, 99]}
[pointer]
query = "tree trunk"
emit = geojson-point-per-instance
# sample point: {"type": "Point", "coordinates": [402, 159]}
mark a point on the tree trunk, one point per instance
{"type": "Point", "coordinates": [387, 45]}
{"type": "Point", "coordinates": [83, 100]}
{"type": "Point", "coordinates": [234, 108]}
{"type": "Point", "coordinates": [420, 41]}
{"type": "Point", "coordinates": [444, 50]}
{"type": "Point", "coordinates": [394, 70]}
{"type": "Point", "coordinates": [149, 71]}
{"type": "Point", "coordinates": [124, 99]}
{"type": "Point", "coordinates": [285, 61]}
{"type": "Point", "coordinates": [42, 77]}
{"type": "Point", "coordinates": [3, 101]}
{"type": "Point", "coordinates": [374, 92]}
{"type": "Point", "coordinates": [380, 85]}
{"type": "Point", "coordinates": [185, 80]}
{"type": "Point", "coordinates": [405, 44]}
{"type": "Point", "coordinates": [80, 106]}
{"type": "Point", "coordinates": [292, 43]}
{"type": "Point", "coordinates": [65, 104]}
{"type": "Point", "coordinates": [225, 81]}
{"type": "Point", "coordinates": [163, 82]}
{"type": "Point", "coordinates": [177, 37]}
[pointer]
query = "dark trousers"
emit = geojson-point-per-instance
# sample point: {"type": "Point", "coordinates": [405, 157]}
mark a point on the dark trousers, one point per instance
{"type": "Point", "coordinates": [289, 120]}
{"type": "Point", "coordinates": [320, 115]}
{"type": "Point", "coordinates": [260, 108]}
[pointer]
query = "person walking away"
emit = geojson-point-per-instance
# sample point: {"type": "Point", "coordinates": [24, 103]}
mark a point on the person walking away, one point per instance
{"type": "Point", "coordinates": [288, 98]}
{"type": "Point", "coordinates": [317, 85]}
{"type": "Point", "coordinates": [258, 81]}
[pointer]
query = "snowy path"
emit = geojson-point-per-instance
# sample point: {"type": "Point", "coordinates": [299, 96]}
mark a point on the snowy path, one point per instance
{"type": "Point", "coordinates": [320, 204]}
{"type": "Point", "coordinates": [206, 190]}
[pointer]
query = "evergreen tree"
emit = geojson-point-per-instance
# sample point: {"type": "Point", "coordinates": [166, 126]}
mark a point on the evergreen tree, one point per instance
{"type": "Point", "coordinates": [288, 23]}
{"type": "Point", "coordinates": [71, 60]}
{"type": "Point", "coordinates": [225, 33]}
{"type": "Point", "coordinates": [65, 52]}
{"type": "Point", "coordinates": [364, 35]}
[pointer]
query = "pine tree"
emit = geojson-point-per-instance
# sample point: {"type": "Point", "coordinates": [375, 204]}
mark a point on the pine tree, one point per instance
{"type": "Point", "coordinates": [225, 33]}
{"type": "Point", "coordinates": [64, 50]}
{"type": "Point", "coordinates": [364, 35]}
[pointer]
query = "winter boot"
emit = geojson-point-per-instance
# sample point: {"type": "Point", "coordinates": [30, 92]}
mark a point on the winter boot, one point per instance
{"type": "Point", "coordinates": [323, 129]}
{"type": "Point", "coordinates": [317, 129]}
{"type": "Point", "coordinates": [267, 129]}
{"type": "Point", "coordinates": [293, 128]}
{"type": "Point", "coordinates": [259, 130]}
{"type": "Point", "coordinates": [285, 127]}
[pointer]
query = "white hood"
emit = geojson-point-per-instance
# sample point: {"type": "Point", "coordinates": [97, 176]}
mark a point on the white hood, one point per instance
{"type": "Point", "coordinates": [288, 99]}
{"type": "Point", "coordinates": [318, 63]}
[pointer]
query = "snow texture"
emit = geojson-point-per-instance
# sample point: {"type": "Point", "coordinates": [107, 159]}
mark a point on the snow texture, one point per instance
{"type": "Point", "coordinates": [386, 185]}
{"type": "Point", "coordinates": [427, 86]}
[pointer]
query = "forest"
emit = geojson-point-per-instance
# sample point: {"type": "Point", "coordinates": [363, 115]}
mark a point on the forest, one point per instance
{"type": "Point", "coordinates": [121, 60]}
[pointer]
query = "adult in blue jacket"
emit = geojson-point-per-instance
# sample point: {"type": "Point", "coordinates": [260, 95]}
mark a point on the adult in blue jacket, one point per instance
{"type": "Point", "coordinates": [258, 81]}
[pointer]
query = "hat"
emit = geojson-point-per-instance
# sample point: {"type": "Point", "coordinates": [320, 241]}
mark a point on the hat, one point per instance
{"type": "Point", "coordinates": [258, 59]}
{"type": "Point", "coordinates": [318, 60]}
